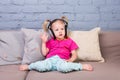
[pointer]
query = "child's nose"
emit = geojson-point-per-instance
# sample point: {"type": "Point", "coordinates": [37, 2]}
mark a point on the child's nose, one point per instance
{"type": "Point", "coordinates": [60, 31]}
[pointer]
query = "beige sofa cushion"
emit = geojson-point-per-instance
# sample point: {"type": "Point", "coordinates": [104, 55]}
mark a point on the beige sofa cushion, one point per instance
{"type": "Point", "coordinates": [88, 42]}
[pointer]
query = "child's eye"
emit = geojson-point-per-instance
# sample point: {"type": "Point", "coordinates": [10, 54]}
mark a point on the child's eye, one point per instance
{"type": "Point", "coordinates": [56, 29]}
{"type": "Point", "coordinates": [62, 28]}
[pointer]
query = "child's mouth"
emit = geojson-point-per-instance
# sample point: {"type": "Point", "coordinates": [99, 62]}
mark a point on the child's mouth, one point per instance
{"type": "Point", "coordinates": [60, 34]}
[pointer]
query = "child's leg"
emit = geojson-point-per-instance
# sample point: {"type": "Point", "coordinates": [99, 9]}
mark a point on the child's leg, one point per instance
{"type": "Point", "coordinates": [39, 66]}
{"type": "Point", "coordinates": [64, 66]}
{"type": "Point", "coordinates": [68, 66]}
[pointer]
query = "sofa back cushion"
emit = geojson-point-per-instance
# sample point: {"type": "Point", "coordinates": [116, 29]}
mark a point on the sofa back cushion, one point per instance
{"type": "Point", "coordinates": [32, 48]}
{"type": "Point", "coordinates": [110, 45]}
{"type": "Point", "coordinates": [88, 42]}
{"type": "Point", "coordinates": [11, 47]}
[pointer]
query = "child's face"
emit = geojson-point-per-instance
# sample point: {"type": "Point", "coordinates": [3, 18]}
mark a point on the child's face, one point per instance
{"type": "Point", "coordinates": [58, 28]}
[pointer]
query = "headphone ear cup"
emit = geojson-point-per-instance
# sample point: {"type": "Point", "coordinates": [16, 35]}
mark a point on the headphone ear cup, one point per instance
{"type": "Point", "coordinates": [49, 34]}
{"type": "Point", "coordinates": [52, 33]}
{"type": "Point", "coordinates": [66, 30]}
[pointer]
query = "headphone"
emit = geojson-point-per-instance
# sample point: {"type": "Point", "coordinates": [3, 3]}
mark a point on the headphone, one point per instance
{"type": "Point", "coordinates": [51, 22]}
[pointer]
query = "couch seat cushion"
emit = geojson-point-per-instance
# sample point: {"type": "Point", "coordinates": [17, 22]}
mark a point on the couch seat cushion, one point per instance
{"type": "Point", "coordinates": [12, 72]}
{"type": "Point", "coordinates": [102, 71]}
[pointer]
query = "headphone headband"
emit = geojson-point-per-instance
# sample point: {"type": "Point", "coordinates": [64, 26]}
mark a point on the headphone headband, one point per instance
{"type": "Point", "coordinates": [51, 22]}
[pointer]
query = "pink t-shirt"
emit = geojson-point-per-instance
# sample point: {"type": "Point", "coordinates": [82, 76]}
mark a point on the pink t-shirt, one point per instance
{"type": "Point", "coordinates": [62, 48]}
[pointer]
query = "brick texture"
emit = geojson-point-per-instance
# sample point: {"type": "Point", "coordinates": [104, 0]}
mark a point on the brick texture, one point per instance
{"type": "Point", "coordinates": [82, 14]}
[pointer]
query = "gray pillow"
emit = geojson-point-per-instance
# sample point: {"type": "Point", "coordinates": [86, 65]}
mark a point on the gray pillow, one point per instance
{"type": "Point", "coordinates": [32, 46]}
{"type": "Point", "coordinates": [11, 47]}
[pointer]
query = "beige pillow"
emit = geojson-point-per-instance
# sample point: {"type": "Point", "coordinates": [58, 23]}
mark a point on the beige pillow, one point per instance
{"type": "Point", "coordinates": [88, 42]}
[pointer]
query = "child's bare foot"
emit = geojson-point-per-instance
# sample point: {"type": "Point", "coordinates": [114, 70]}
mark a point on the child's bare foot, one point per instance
{"type": "Point", "coordinates": [87, 67]}
{"type": "Point", "coordinates": [23, 67]}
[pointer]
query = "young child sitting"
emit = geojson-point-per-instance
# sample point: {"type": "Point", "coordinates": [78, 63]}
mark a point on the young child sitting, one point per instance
{"type": "Point", "coordinates": [60, 51]}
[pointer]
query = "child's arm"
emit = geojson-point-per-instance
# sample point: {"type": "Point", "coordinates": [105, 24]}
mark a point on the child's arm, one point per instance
{"type": "Point", "coordinates": [45, 50]}
{"type": "Point", "coordinates": [73, 56]}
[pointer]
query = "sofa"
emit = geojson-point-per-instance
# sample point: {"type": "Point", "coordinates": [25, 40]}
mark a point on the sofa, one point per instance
{"type": "Point", "coordinates": [109, 42]}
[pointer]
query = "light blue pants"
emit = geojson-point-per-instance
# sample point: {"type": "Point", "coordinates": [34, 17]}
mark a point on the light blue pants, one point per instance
{"type": "Point", "coordinates": [55, 63]}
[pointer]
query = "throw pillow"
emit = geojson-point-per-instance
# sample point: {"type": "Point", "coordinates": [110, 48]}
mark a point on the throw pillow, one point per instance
{"type": "Point", "coordinates": [88, 42]}
{"type": "Point", "coordinates": [11, 47]}
{"type": "Point", "coordinates": [32, 46]}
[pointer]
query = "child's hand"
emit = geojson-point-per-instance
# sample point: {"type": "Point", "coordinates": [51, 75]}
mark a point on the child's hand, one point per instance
{"type": "Point", "coordinates": [44, 37]}
{"type": "Point", "coordinates": [69, 60]}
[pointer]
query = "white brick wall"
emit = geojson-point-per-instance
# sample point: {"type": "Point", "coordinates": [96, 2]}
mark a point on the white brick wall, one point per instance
{"type": "Point", "coordinates": [82, 14]}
